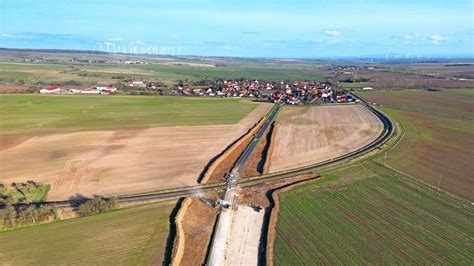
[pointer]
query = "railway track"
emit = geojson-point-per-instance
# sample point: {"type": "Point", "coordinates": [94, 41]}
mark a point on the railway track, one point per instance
{"type": "Point", "coordinates": [250, 181]}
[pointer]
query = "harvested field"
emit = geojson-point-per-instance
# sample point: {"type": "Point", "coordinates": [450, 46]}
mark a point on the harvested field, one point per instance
{"type": "Point", "coordinates": [119, 161]}
{"type": "Point", "coordinates": [403, 78]}
{"type": "Point", "coordinates": [368, 214]}
{"type": "Point", "coordinates": [116, 162]}
{"type": "Point", "coordinates": [196, 224]}
{"type": "Point", "coordinates": [438, 146]}
{"type": "Point", "coordinates": [307, 135]}
{"type": "Point", "coordinates": [134, 236]}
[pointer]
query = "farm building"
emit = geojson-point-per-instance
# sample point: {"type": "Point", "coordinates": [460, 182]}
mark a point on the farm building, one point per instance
{"type": "Point", "coordinates": [49, 90]}
{"type": "Point", "coordinates": [90, 91]}
{"type": "Point", "coordinates": [106, 87]}
{"type": "Point", "coordinates": [135, 83]}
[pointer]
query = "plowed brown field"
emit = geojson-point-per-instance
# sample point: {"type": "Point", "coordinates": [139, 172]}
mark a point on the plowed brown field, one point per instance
{"type": "Point", "coordinates": [307, 135]}
{"type": "Point", "coordinates": [119, 161]}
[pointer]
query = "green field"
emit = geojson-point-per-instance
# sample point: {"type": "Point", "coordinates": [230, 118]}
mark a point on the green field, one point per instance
{"type": "Point", "coordinates": [25, 192]}
{"type": "Point", "coordinates": [438, 146]}
{"type": "Point", "coordinates": [36, 114]}
{"type": "Point", "coordinates": [268, 71]}
{"type": "Point", "coordinates": [128, 236]}
{"type": "Point", "coordinates": [169, 72]}
{"type": "Point", "coordinates": [368, 214]}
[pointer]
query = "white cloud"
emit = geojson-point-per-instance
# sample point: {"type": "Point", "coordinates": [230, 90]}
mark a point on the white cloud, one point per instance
{"type": "Point", "coordinates": [13, 36]}
{"type": "Point", "coordinates": [174, 36]}
{"type": "Point", "coordinates": [333, 33]}
{"type": "Point", "coordinates": [436, 38]}
{"type": "Point", "coordinates": [140, 42]}
{"type": "Point", "coordinates": [417, 38]}
{"type": "Point", "coordinates": [226, 47]}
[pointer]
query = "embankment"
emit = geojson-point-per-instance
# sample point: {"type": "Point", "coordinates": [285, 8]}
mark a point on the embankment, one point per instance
{"type": "Point", "coordinates": [195, 223]}
{"type": "Point", "coordinates": [179, 241]}
{"type": "Point", "coordinates": [172, 233]}
{"type": "Point", "coordinates": [258, 162]}
{"type": "Point", "coordinates": [218, 167]}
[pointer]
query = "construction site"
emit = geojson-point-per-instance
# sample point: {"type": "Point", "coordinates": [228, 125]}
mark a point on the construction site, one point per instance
{"type": "Point", "coordinates": [233, 225]}
{"type": "Point", "coordinates": [296, 133]}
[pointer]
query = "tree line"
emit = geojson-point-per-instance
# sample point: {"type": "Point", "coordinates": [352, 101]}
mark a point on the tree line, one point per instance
{"type": "Point", "coordinates": [14, 216]}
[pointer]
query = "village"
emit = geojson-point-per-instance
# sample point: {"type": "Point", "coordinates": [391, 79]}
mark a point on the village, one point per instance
{"type": "Point", "coordinates": [289, 92]}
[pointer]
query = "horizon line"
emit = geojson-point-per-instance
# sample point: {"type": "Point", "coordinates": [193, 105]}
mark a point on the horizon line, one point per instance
{"type": "Point", "coordinates": [388, 56]}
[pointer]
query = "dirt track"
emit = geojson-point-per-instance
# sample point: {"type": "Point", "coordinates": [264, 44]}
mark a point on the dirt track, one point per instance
{"type": "Point", "coordinates": [307, 135]}
{"type": "Point", "coordinates": [243, 241]}
{"type": "Point", "coordinates": [119, 162]}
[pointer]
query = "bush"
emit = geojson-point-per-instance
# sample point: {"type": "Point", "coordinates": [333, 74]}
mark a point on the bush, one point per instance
{"type": "Point", "coordinates": [97, 205]}
{"type": "Point", "coordinates": [11, 218]}
{"type": "Point", "coordinates": [31, 214]}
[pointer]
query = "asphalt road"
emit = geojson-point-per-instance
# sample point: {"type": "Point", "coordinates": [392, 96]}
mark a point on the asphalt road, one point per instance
{"type": "Point", "coordinates": [235, 172]}
{"type": "Point", "coordinates": [219, 244]}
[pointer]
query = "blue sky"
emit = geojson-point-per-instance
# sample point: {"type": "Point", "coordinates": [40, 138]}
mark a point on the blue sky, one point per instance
{"type": "Point", "coordinates": [298, 28]}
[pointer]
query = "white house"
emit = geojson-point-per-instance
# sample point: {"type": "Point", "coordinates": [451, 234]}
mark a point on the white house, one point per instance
{"type": "Point", "coordinates": [90, 91]}
{"type": "Point", "coordinates": [106, 87]}
{"type": "Point", "coordinates": [138, 83]}
{"type": "Point", "coordinates": [49, 90]}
